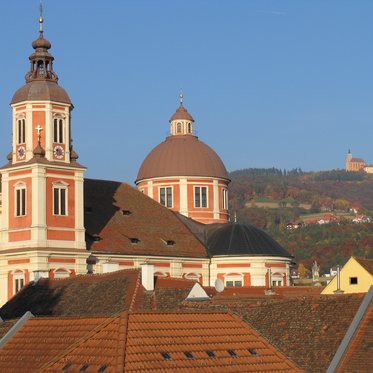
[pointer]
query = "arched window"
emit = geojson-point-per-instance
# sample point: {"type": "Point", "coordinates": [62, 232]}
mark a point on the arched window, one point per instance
{"type": "Point", "coordinates": [58, 130]}
{"type": "Point", "coordinates": [18, 280]}
{"type": "Point", "coordinates": [20, 199]}
{"type": "Point", "coordinates": [21, 131]}
{"type": "Point", "coordinates": [277, 279]}
{"type": "Point", "coordinates": [233, 279]}
{"type": "Point", "coordinates": [60, 198]}
{"type": "Point", "coordinates": [189, 127]}
{"type": "Point", "coordinates": [192, 276]}
{"type": "Point", "coordinates": [178, 127]}
{"type": "Point", "coordinates": [61, 273]}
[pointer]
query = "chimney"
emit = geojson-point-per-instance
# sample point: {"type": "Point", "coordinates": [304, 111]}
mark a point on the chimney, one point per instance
{"type": "Point", "coordinates": [338, 291]}
{"type": "Point", "coordinates": [147, 276]}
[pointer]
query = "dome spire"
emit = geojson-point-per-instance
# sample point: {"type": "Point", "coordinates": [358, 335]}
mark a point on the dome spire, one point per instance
{"type": "Point", "coordinates": [181, 97]}
{"type": "Point", "coordinates": [41, 19]}
{"type": "Point", "coordinates": [41, 60]}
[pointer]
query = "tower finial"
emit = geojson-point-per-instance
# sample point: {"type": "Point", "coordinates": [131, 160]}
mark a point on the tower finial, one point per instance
{"type": "Point", "coordinates": [41, 19]}
{"type": "Point", "coordinates": [181, 97]}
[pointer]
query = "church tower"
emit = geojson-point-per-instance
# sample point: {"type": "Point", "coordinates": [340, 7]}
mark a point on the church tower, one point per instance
{"type": "Point", "coordinates": [186, 175]}
{"type": "Point", "coordinates": [348, 160]}
{"type": "Point", "coordinates": [41, 225]}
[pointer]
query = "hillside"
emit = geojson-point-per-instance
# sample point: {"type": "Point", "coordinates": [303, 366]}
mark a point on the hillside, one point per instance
{"type": "Point", "coordinates": [273, 198]}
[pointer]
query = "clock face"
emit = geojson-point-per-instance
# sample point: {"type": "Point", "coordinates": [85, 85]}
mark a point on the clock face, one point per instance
{"type": "Point", "coordinates": [58, 152]}
{"type": "Point", "coordinates": [21, 152]}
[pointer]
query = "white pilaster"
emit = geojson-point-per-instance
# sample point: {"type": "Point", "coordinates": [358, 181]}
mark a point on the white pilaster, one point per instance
{"type": "Point", "coordinates": [216, 199]}
{"type": "Point", "coordinates": [38, 204]}
{"type": "Point", "coordinates": [79, 211]}
{"type": "Point", "coordinates": [184, 196]}
{"type": "Point", "coordinates": [150, 189]}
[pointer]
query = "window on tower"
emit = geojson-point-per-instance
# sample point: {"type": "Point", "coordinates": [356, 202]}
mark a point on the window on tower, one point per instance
{"type": "Point", "coordinates": [200, 196]}
{"type": "Point", "coordinates": [60, 199]}
{"type": "Point", "coordinates": [178, 128]}
{"type": "Point", "coordinates": [20, 199]}
{"type": "Point", "coordinates": [165, 196]}
{"type": "Point", "coordinates": [18, 281]}
{"type": "Point", "coordinates": [58, 130]}
{"type": "Point", "coordinates": [189, 127]}
{"type": "Point", "coordinates": [21, 131]}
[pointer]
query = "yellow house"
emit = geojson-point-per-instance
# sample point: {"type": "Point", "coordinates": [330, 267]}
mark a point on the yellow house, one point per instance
{"type": "Point", "coordinates": [356, 276]}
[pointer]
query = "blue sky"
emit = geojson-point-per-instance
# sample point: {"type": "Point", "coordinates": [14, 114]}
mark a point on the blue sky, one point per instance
{"type": "Point", "coordinates": [270, 83]}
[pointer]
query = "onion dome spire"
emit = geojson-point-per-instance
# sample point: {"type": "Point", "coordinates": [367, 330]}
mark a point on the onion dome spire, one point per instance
{"type": "Point", "coordinates": [41, 60]}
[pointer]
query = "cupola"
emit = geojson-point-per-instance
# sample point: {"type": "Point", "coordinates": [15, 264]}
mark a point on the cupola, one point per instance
{"type": "Point", "coordinates": [181, 122]}
{"type": "Point", "coordinates": [41, 80]}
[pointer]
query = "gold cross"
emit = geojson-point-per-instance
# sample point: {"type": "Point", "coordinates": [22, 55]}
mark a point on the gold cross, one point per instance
{"type": "Point", "coordinates": [38, 130]}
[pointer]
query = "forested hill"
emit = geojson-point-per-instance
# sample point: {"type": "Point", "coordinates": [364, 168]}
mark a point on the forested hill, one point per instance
{"type": "Point", "coordinates": [273, 198]}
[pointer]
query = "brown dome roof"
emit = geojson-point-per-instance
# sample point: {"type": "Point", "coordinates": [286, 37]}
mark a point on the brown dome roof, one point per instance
{"type": "Point", "coordinates": [40, 90]}
{"type": "Point", "coordinates": [182, 114]}
{"type": "Point", "coordinates": [182, 155]}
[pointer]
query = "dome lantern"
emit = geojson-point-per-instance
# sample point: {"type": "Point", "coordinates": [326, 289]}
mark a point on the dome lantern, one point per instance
{"type": "Point", "coordinates": [181, 122]}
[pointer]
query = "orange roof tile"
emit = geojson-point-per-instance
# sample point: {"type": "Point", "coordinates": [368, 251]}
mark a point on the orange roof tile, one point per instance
{"type": "Point", "coordinates": [174, 342]}
{"type": "Point", "coordinates": [40, 340]}
{"type": "Point", "coordinates": [307, 329]}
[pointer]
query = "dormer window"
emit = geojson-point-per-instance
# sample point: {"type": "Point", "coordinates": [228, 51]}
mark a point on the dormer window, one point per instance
{"type": "Point", "coordinates": [178, 127]}
{"type": "Point", "coordinates": [58, 130]}
{"type": "Point", "coordinates": [21, 131]}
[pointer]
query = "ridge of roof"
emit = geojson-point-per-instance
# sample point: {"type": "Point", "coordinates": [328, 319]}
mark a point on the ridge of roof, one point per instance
{"type": "Point", "coordinates": [76, 344]}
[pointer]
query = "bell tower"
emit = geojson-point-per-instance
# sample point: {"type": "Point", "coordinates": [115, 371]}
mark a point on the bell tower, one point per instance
{"type": "Point", "coordinates": [42, 220]}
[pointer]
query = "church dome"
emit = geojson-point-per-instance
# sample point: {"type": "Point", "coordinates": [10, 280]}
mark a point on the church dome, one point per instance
{"type": "Point", "coordinates": [241, 239]}
{"type": "Point", "coordinates": [182, 155]}
{"type": "Point", "coordinates": [41, 90]}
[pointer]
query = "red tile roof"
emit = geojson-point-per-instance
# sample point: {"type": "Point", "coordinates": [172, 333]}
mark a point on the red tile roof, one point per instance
{"type": "Point", "coordinates": [355, 353]}
{"type": "Point", "coordinates": [148, 342]}
{"type": "Point", "coordinates": [102, 294]}
{"type": "Point", "coordinates": [359, 357]}
{"type": "Point", "coordinates": [168, 295]}
{"type": "Point", "coordinates": [40, 340]}
{"type": "Point", "coordinates": [117, 213]}
{"type": "Point", "coordinates": [307, 329]}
